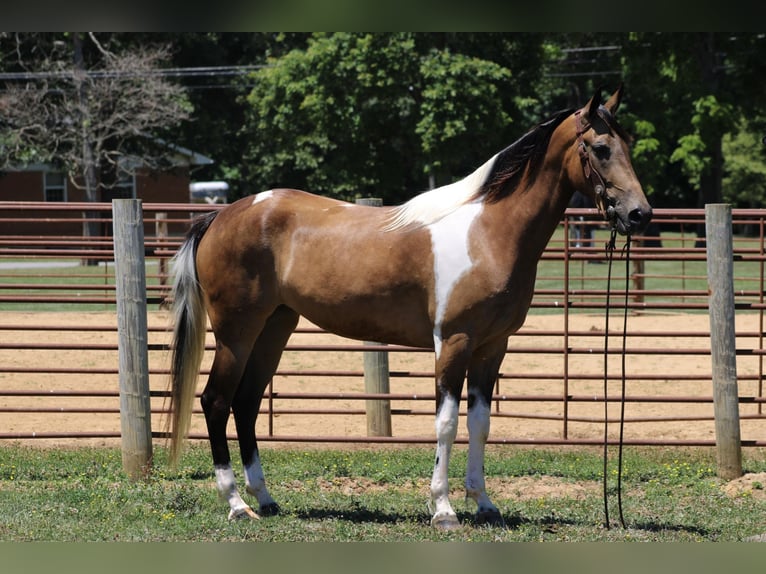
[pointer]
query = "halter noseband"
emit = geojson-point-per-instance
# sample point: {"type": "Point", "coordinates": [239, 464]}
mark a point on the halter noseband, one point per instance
{"type": "Point", "coordinates": [600, 185]}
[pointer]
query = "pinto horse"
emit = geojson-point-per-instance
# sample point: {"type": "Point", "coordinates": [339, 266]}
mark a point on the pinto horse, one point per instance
{"type": "Point", "coordinates": [453, 269]}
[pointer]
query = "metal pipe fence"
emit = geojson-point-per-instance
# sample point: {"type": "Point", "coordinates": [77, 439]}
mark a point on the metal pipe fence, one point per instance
{"type": "Point", "coordinates": [58, 342]}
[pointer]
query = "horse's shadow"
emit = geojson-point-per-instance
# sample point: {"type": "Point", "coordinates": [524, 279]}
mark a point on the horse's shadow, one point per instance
{"type": "Point", "coordinates": [355, 515]}
{"type": "Point", "coordinates": [660, 527]}
{"type": "Point", "coordinates": [511, 521]}
{"type": "Point", "coordinates": [360, 515]}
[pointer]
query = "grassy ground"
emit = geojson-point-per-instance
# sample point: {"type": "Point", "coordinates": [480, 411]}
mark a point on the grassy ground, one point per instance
{"type": "Point", "coordinates": [669, 495]}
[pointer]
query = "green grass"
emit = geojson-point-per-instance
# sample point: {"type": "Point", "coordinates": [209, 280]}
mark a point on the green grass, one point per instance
{"type": "Point", "coordinates": [669, 495]}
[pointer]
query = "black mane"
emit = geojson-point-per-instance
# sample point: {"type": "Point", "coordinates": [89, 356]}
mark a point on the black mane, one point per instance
{"type": "Point", "coordinates": [529, 149]}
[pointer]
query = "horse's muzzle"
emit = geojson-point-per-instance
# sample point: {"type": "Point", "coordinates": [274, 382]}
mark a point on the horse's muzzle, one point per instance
{"type": "Point", "coordinates": [634, 221]}
{"type": "Point", "coordinates": [639, 218]}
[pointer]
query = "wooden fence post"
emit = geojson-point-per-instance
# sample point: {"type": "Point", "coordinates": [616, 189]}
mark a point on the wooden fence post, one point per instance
{"type": "Point", "coordinates": [376, 374]}
{"type": "Point", "coordinates": [720, 272]}
{"type": "Point", "coordinates": [130, 278]}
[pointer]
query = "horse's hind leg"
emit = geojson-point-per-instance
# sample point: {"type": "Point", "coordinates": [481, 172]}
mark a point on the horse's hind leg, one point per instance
{"type": "Point", "coordinates": [261, 366]}
{"type": "Point", "coordinates": [231, 357]}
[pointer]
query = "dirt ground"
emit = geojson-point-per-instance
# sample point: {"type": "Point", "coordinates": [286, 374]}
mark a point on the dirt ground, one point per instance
{"type": "Point", "coordinates": [668, 370]}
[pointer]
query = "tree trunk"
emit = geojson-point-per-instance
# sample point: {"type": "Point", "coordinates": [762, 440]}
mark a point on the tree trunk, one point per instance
{"type": "Point", "coordinates": [90, 225]}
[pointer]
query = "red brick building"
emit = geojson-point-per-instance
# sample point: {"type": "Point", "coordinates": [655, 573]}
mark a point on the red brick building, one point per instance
{"type": "Point", "coordinates": [45, 184]}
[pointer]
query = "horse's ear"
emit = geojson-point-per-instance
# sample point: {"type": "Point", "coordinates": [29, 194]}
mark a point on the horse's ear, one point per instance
{"type": "Point", "coordinates": [592, 106]}
{"type": "Point", "coordinates": [614, 100]}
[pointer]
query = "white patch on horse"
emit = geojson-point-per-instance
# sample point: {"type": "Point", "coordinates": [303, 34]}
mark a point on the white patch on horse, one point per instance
{"type": "Point", "coordinates": [446, 431]}
{"type": "Point", "coordinates": [227, 488]}
{"type": "Point", "coordinates": [435, 204]}
{"type": "Point", "coordinates": [256, 482]}
{"type": "Point", "coordinates": [263, 196]}
{"type": "Point", "coordinates": [478, 432]}
{"type": "Point", "coordinates": [449, 244]}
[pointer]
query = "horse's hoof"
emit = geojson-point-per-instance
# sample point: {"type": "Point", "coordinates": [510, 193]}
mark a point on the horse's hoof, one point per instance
{"type": "Point", "coordinates": [445, 522]}
{"type": "Point", "coordinates": [245, 512]}
{"type": "Point", "coordinates": [271, 509]}
{"type": "Point", "coordinates": [490, 518]}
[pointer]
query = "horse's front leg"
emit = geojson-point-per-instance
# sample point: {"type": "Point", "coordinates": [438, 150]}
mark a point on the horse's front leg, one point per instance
{"type": "Point", "coordinates": [482, 374]}
{"type": "Point", "coordinates": [451, 361]}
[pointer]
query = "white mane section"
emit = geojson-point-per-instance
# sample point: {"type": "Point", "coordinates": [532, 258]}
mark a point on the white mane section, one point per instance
{"type": "Point", "coordinates": [431, 206]}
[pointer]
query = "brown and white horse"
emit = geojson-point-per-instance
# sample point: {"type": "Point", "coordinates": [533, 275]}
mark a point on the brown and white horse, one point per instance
{"type": "Point", "coordinates": [452, 269]}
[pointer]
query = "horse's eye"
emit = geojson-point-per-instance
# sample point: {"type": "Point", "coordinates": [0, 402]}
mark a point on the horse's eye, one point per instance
{"type": "Point", "coordinates": [602, 151]}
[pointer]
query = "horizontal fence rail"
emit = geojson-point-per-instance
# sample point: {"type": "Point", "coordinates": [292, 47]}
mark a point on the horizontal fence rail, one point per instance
{"type": "Point", "coordinates": [58, 341]}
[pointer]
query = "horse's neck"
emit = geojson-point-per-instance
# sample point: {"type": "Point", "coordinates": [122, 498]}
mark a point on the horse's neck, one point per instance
{"type": "Point", "coordinates": [532, 214]}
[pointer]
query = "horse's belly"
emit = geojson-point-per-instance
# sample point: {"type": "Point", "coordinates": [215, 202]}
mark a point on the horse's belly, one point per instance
{"type": "Point", "coordinates": [392, 322]}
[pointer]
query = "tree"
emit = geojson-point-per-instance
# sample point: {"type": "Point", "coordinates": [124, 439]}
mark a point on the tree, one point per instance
{"type": "Point", "coordinates": [98, 121]}
{"type": "Point", "coordinates": [213, 69]}
{"type": "Point", "coordinates": [451, 128]}
{"type": "Point", "coordinates": [376, 114]}
{"type": "Point", "coordinates": [689, 89]}
{"type": "Point", "coordinates": [335, 118]}
{"type": "Point", "coordinates": [744, 180]}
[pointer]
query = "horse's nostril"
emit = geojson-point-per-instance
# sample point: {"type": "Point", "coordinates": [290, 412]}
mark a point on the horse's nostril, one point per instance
{"type": "Point", "coordinates": [639, 218]}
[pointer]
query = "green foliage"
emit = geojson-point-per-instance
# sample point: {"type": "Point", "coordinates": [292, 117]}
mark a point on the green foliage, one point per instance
{"type": "Point", "coordinates": [695, 150]}
{"type": "Point", "coordinates": [461, 106]}
{"type": "Point", "coordinates": [331, 118]}
{"type": "Point", "coordinates": [744, 181]}
{"type": "Point", "coordinates": [690, 153]}
{"type": "Point", "coordinates": [644, 152]}
{"type": "Point", "coordinates": [369, 114]}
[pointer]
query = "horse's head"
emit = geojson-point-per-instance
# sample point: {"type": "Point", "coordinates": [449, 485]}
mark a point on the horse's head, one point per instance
{"type": "Point", "coordinates": [602, 168]}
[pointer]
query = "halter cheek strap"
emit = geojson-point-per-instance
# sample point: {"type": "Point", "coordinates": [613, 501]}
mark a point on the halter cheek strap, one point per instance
{"type": "Point", "coordinates": [599, 184]}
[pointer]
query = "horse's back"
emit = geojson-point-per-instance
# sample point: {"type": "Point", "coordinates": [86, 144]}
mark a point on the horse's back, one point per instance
{"type": "Point", "coordinates": [328, 260]}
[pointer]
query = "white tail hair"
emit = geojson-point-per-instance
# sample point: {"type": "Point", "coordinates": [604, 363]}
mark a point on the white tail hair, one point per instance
{"type": "Point", "coordinates": [189, 330]}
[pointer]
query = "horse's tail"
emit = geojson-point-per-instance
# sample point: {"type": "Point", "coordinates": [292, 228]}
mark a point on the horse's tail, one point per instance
{"type": "Point", "coordinates": [190, 326]}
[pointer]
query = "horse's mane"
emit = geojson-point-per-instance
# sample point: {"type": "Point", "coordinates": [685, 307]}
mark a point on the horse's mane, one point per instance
{"type": "Point", "coordinates": [495, 179]}
{"type": "Point", "coordinates": [529, 150]}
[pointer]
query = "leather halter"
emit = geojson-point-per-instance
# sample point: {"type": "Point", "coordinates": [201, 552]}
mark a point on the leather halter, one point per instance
{"type": "Point", "coordinates": [600, 185]}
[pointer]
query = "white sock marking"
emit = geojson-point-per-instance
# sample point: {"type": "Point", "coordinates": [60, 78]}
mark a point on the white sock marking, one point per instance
{"type": "Point", "coordinates": [478, 432]}
{"type": "Point", "coordinates": [446, 431]}
{"type": "Point", "coordinates": [256, 482]}
{"type": "Point", "coordinates": [227, 488]}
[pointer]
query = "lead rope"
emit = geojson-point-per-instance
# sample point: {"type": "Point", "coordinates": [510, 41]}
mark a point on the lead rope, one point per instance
{"type": "Point", "coordinates": [610, 247]}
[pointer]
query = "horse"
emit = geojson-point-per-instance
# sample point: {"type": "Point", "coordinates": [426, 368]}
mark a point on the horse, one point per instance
{"type": "Point", "coordinates": [452, 269]}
